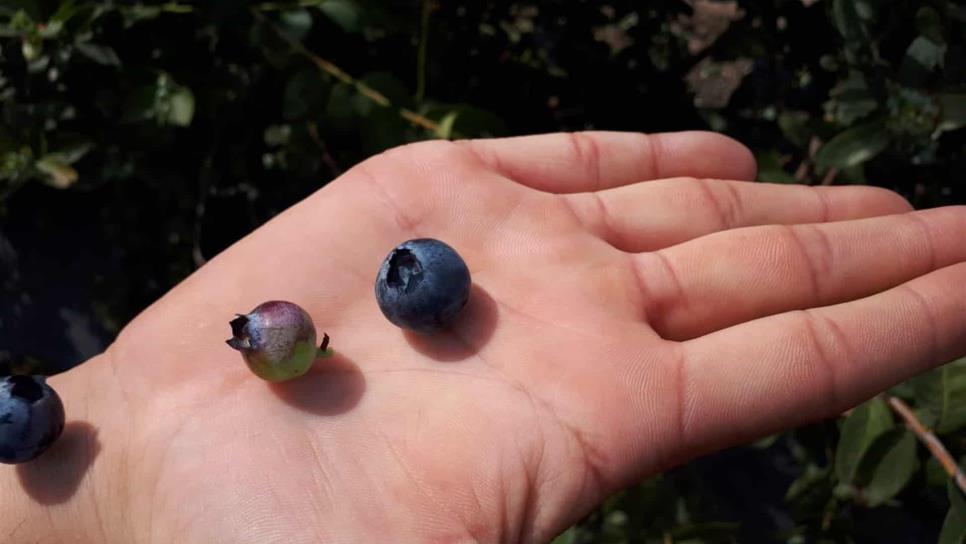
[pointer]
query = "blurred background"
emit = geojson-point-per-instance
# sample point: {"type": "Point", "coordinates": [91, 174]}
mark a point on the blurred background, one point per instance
{"type": "Point", "coordinates": [137, 140]}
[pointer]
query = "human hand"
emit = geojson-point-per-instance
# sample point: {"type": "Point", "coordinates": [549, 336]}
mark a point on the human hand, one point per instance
{"type": "Point", "coordinates": [617, 327]}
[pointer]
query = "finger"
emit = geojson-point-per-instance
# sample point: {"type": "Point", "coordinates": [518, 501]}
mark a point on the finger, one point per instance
{"type": "Point", "coordinates": [657, 214]}
{"type": "Point", "coordinates": [719, 280]}
{"type": "Point", "coordinates": [590, 161]}
{"type": "Point", "coordinates": [773, 373]}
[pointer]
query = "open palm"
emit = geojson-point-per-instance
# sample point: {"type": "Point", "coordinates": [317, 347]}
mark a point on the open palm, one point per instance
{"type": "Point", "coordinates": [617, 326]}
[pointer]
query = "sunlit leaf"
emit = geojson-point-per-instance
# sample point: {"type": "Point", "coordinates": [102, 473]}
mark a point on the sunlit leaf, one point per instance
{"type": "Point", "coordinates": [32, 47]}
{"type": "Point", "coordinates": [181, 107]}
{"type": "Point", "coordinates": [953, 108]}
{"type": "Point", "coordinates": [470, 122]}
{"type": "Point", "coordinates": [100, 54]}
{"type": "Point", "coordinates": [57, 173]}
{"type": "Point", "coordinates": [849, 18]}
{"type": "Point", "coordinates": [296, 23]}
{"type": "Point", "coordinates": [926, 53]}
{"type": "Point", "coordinates": [851, 99]}
{"type": "Point", "coordinates": [55, 23]}
{"type": "Point", "coordinates": [343, 13]}
{"type": "Point", "coordinates": [854, 146]}
{"type": "Point", "coordinates": [445, 128]}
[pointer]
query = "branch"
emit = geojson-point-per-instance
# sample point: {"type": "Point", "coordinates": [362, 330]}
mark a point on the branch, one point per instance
{"type": "Point", "coordinates": [427, 9]}
{"type": "Point", "coordinates": [327, 157]}
{"type": "Point", "coordinates": [340, 74]}
{"type": "Point", "coordinates": [930, 440]}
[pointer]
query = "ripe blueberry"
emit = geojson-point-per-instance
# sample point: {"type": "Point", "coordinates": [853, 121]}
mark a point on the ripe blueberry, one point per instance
{"type": "Point", "coordinates": [277, 340]}
{"type": "Point", "coordinates": [422, 285]}
{"type": "Point", "coordinates": [31, 418]}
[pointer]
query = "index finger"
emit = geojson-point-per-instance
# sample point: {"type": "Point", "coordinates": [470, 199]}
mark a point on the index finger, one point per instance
{"type": "Point", "coordinates": [577, 162]}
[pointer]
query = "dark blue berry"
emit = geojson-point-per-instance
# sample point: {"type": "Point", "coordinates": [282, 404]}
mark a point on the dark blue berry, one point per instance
{"type": "Point", "coordinates": [422, 285]}
{"type": "Point", "coordinates": [31, 418]}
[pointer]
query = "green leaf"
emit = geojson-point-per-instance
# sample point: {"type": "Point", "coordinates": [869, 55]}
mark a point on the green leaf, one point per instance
{"type": "Point", "coordinates": [811, 489]}
{"type": "Point", "coordinates": [32, 47]}
{"type": "Point", "coordinates": [277, 135]}
{"type": "Point", "coordinates": [22, 22]}
{"type": "Point", "coordinates": [770, 169]}
{"type": "Point", "coordinates": [851, 99]}
{"type": "Point", "coordinates": [72, 153]}
{"type": "Point", "coordinates": [940, 397]}
{"type": "Point", "coordinates": [296, 24]}
{"type": "Point", "coordinates": [343, 13]}
{"type": "Point", "coordinates": [953, 112]}
{"type": "Point", "coordinates": [470, 122]}
{"type": "Point", "coordinates": [445, 128]}
{"type": "Point", "coordinates": [18, 364]}
{"type": "Point", "coordinates": [895, 463]}
{"type": "Point", "coordinates": [55, 24]}
{"type": "Point", "coordinates": [29, 8]}
{"type": "Point", "coordinates": [57, 173]}
{"type": "Point", "coordinates": [935, 473]}
{"type": "Point", "coordinates": [567, 537]}
{"type": "Point", "coordinates": [766, 442]}
{"type": "Point", "coordinates": [854, 146]}
{"type": "Point", "coordinates": [140, 12]}
{"type": "Point", "coordinates": [954, 526]}
{"type": "Point", "coordinates": [926, 53]}
{"type": "Point", "coordinates": [866, 423]}
{"type": "Point", "coordinates": [181, 107]}
{"type": "Point", "coordinates": [849, 18]}
{"type": "Point", "coordinates": [100, 54]}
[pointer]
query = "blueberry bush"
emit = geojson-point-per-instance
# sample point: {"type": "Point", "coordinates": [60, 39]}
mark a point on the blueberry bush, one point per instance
{"type": "Point", "coordinates": [139, 139]}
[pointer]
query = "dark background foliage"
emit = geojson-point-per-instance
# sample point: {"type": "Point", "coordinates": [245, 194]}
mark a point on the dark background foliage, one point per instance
{"type": "Point", "coordinates": [138, 140]}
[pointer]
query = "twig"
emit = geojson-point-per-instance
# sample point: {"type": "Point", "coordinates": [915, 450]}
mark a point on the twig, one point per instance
{"type": "Point", "coordinates": [340, 74]}
{"type": "Point", "coordinates": [204, 189]}
{"type": "Point", "coordinates": [801, 173]}
{"type": "Point", "coordinates": [932, 443]}
{"type": "Point", "coordinates": [427, 8]}
{"type": "Point", "coordinates": [830, 176]}
{"type": "Point", "coordinates": [327, 157]}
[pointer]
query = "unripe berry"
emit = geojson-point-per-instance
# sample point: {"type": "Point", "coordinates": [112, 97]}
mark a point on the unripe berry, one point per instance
{"type": "Point", "coordinates": [277, 340]}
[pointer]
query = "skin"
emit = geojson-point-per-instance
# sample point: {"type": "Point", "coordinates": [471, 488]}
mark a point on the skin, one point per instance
{"type": "Point", "coordinates": [618, 327]}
